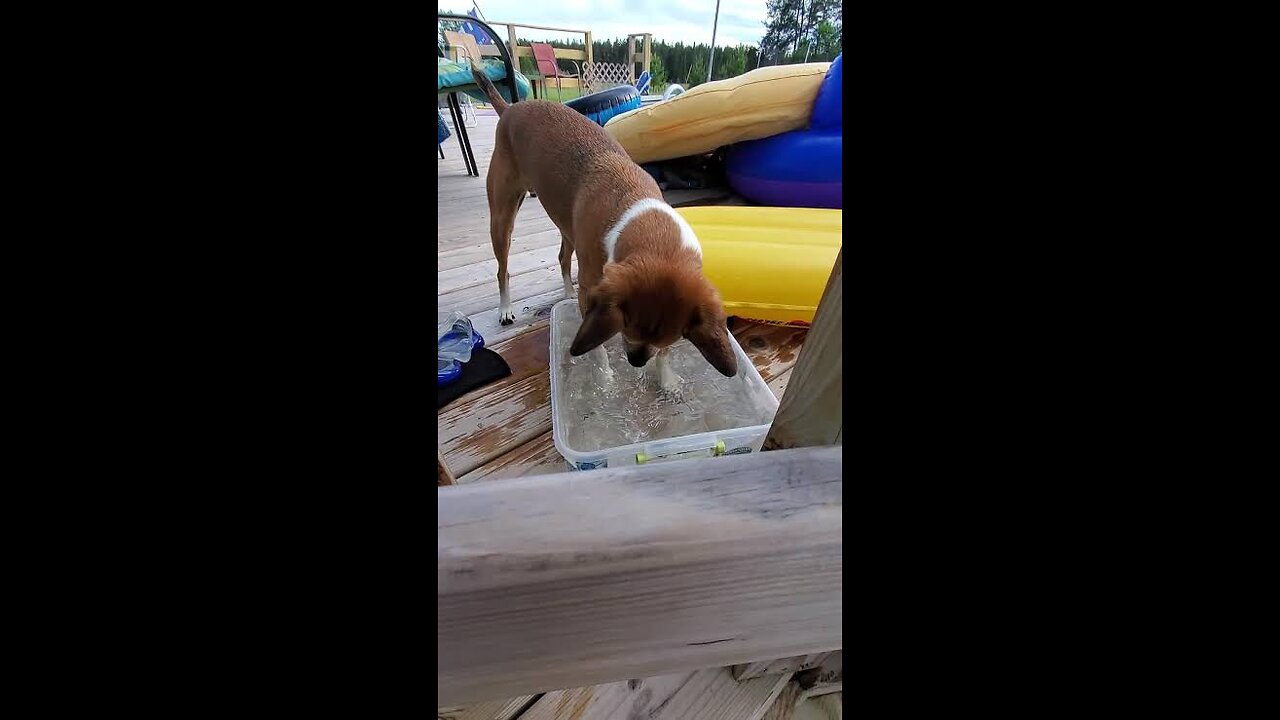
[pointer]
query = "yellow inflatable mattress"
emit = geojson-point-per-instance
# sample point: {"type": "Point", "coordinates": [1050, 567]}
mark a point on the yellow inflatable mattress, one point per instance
{"type": "Point", "coordinates": [768, 263]}
{"type": "Point", "coordinates": [759, 104]}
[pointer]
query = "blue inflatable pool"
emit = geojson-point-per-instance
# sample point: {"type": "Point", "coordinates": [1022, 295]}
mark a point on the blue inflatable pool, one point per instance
{"type": "Point", "coordinates": [605, 104]}
{"type": "Point", "coordinates": [800, 168]}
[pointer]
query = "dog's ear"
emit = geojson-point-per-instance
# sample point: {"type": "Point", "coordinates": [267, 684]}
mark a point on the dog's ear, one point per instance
{"type": "Point", "coordinates": [709, 332]}
{"type": "Point", "coordinates": [603, 320]}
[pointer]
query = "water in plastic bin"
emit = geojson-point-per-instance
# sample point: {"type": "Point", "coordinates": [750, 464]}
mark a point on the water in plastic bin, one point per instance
{"type": "Point", "coordinates": [599, 413]}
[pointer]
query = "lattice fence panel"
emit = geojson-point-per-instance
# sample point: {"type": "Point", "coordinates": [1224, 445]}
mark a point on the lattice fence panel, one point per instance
{"type": "Point", "coordinates": [602, 76]}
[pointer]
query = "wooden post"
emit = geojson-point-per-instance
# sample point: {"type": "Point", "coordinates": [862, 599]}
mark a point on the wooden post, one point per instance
{"type": "Point", "coordinates": [590, 53]}
{"type": "Point", "coordinates": [631, 58]}
{"type": "Point", "coordinates": [574, 579]}
{"type": "Point", "coordinates": [443, 476]}
{"type": "Point", "coordinates": [810, 412]}
{"type": "Point", "coordinates": [648, 51]}
{"type": "Point", "coordinates": [511, 38]}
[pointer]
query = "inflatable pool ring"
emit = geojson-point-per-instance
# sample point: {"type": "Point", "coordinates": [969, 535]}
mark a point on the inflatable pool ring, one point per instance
{"type": "Point", "coordinates": [757, 104]}
{"type": "Point", "coordinates": [768, 263]}
{"type": "Point", "coordinates": [800, 168]}
{"type": "Point", "coordinates": [604, 105]}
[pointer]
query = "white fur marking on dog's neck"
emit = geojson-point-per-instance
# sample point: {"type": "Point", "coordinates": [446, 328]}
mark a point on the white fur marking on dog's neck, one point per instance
{"type": "Point", "coordinates": [687, 237]}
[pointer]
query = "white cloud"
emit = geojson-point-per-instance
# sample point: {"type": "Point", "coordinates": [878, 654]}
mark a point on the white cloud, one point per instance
{"type": "Point", "coordinates": [688, 21]}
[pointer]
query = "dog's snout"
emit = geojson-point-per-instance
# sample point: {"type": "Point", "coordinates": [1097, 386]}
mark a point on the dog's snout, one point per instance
{"type": "Point", "coordinates": [637, 359]}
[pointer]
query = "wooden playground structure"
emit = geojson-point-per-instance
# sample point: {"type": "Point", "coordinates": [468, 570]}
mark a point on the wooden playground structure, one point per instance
{"type": "Point", "coordinates": [639, 51]}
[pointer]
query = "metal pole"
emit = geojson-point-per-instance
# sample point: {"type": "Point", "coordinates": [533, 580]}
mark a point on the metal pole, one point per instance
{"type": "Point", "coordinates": [711, 63]}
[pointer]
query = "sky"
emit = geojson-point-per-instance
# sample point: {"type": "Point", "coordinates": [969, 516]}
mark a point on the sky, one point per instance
{"type": "Point", "coordinates": [688, 21]}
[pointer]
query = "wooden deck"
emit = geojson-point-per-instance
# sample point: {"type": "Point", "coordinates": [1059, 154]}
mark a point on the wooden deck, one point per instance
{"type": "Point", "coordinates": [504, 429]}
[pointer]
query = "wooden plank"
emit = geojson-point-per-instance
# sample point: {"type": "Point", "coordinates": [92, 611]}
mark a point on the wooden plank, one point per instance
{"type": "Point", "coordinates": [566, 53]}
{"type": "Point", "coordinates": [779, 384]}
{"type": "Point", "coordinates": [494, 710]}
{"type": "Point", "coordinates": [475, 230]}
{"type": "Point", "coordinates": [486, 271]}
{"type": "Point", "coordinates": [590, 47]}
{"type": "Point", "coordinates": [713, 694]}
{"type": "Point", "coordinates": [784, 707]}
{"type": "Point", "coordinates": [443, 476]}
{"type": "Point", "coordinates": [536, 457]}
{"type": "Point", "coordinates": [708, 694]}
{"type": "Point", "coordinates": [478, 252]}
{"type": "Point", "coordinates": [537, 27]}
{"type": "Point", "coordinates": [512, 46]}
{"type": "Point", "coordinates": [824, 689]}
{"type": "Point", "coordinates": [626, 699]}
{"type": "Point", "coordinates": [828, 707]}
{"type": "Point", "coordinates": [832, 706]}
{"type": "Point", "coordinates": [488, 421]}
{"type": "Point", "coordinates": [552, 582]}
{"type": "Point", "coordinates": [825, 678]}
{"type": "Point", "coordinates": [631, 59]}
{"type": "Point", "coordinates": [782, 666]}
{"type": "Point", "coordinates": [773, 349]}
{"type": "Point", "coordinates": [810, 412]}
{"type": "Point", "coordinates": [526, 355]}
{"type": "Point", "coordinates": [478, 298]}
{"type": "Point", "coordinates": [532, 313]}
{"type": "Point", "coordinates": [474, 432]}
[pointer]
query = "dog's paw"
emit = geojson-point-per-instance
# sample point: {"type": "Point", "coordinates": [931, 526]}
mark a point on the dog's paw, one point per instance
{"type": "Point", "coordinates": [668, 383]}
{"type": "Point", "coordinates": [506, 317]}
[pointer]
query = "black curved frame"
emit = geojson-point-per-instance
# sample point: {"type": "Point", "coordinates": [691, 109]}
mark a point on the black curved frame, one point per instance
{"type": "Point", "coordinates": [455, 109]}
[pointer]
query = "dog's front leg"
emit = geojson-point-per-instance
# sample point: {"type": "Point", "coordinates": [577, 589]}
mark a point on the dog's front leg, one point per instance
{"type": "Point", "coordinates": [667, 378]}
{"type": "Point", "coordinates": [505, 316]}
{"type": "Point", "coordinates": [602, 362]}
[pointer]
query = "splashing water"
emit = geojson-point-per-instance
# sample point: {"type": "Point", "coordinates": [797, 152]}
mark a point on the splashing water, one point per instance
{"type": "Point", "coordinates": [598, 413]}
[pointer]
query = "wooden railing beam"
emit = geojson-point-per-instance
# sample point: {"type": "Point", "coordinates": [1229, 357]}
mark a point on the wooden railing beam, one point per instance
{"type": "Point", "coordinates": [576, 579]}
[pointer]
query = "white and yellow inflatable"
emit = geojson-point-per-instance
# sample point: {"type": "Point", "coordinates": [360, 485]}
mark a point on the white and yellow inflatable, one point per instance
{"type": "Point", "coordinates": [759, 104]}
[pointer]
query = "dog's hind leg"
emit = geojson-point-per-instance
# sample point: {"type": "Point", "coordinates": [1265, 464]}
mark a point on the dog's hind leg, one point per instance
{"type": "Point", "coordinates": [566, 257]}
{"type": "Point", "coordinates": [506, 196]}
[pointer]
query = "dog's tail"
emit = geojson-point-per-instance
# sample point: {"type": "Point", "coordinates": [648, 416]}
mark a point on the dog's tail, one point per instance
{"type": "Point", "coordinates": [494, 97]}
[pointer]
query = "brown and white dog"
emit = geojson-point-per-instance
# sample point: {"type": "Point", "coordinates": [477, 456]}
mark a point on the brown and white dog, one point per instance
{"type": "Point", "coordinates": [639, 262]}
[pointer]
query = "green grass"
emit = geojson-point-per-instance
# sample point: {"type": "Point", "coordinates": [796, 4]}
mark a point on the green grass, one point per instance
{"type": "Point", "coordinates": [565, 94]}
{"type": "Point", "coordinates": [571, 93]}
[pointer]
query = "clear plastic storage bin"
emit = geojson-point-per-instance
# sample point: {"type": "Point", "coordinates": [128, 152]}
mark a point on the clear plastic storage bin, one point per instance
{"type": "Point", "coordinates": [627, 421]}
